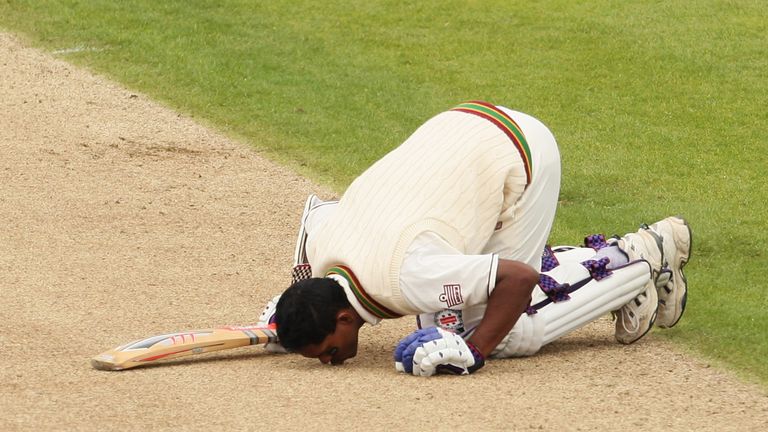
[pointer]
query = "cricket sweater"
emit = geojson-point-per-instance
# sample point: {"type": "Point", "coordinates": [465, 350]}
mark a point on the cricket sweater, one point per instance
{"type": "Point", "coordinates": [453, 176]}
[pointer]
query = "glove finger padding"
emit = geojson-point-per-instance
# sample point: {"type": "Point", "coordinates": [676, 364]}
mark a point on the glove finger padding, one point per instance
{"type": "Point", "coordinates": [400, 349]}
{"type": "Point", "coordinates": [441, 358]}
{"type": "Point", "coordinates": [433, 350]}
{"type": "Point", "coordinates": [422, 337]}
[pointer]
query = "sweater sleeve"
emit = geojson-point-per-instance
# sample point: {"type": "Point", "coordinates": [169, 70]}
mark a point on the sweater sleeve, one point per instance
{"type": "Point", "coordinates": [434, 276]}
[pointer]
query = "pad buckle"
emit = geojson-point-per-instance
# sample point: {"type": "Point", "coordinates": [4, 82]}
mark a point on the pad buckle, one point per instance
{"type": "Point", "coordinates": [557, 292]}
{"type": "Point", "coordinates": [598, 269]}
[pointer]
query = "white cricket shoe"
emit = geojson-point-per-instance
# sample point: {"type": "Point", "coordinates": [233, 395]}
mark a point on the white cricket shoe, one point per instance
{"type": "Point", "coordinates": [672, 285]}
{"type": "Point", "coordinates": [635, 319]}
{"type": "Point", "coordinates": [300, 252]}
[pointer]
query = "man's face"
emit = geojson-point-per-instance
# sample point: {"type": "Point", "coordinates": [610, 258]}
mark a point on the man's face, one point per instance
{"type": "Point", "coordinates": [336, 347]}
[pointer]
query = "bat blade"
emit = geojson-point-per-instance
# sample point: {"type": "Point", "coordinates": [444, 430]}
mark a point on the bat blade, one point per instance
{"type": "Point", "coordinates": [180, 344]}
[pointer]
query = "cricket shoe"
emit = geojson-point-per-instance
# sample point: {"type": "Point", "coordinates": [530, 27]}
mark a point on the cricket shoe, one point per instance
{"type": "Point", "coordinates": [635, 319]}
{"type": "Point", "coordinates": [671, 284]}
{"type": "Point", "coordinates": [300, 253]}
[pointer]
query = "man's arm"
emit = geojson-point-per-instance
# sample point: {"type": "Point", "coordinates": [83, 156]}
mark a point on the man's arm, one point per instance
{"type": "Point", "coordinates": [432, 350]}
{"type": "Point", "coordinates": [514, 284]}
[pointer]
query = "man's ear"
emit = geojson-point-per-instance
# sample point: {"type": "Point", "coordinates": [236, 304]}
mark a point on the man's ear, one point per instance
{"type": "Point", "coordinates": [345, 316]}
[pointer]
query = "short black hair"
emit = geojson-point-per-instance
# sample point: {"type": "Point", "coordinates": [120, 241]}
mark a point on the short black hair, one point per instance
{"type": "Point", "coordinates": [306, 312]}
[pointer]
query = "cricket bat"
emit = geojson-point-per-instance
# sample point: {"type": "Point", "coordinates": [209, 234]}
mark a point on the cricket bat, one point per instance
{"type": "Point", "coordinates": [174, 345]}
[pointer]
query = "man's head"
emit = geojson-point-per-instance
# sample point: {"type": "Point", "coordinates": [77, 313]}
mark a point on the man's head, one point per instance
{"type": "Point", "coordinates": [314, 318]}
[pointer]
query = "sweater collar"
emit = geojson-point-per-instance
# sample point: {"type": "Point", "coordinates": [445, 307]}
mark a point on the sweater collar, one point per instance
{"type": "Point", "coordinates": [368, 308]}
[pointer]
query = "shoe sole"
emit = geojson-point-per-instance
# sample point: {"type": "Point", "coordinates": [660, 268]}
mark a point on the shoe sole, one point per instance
{"type": "Point", "coordinates": [299, 255]}
{"type": "Point", "coordinates": [682, 259]}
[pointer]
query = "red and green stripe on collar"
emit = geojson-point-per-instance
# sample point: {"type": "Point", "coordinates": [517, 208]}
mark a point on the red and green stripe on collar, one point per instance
{"type": "Point", "coordinates": [507, 125]}
{"type": "Point", "coordinates": [365, 300]}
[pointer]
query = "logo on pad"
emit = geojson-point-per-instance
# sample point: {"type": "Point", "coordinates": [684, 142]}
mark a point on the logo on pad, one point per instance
{"type": "Point", "coordinates": [451, 295]}
{"type": "Point", "coordinates": [450, 319]}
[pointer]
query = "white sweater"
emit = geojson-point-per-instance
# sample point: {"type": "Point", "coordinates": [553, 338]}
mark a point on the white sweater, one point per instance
{"type": "Point", "coordinates": [453, 176]}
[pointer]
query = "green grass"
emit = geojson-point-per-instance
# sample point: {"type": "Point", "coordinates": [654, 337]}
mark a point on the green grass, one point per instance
{"type": "Point", "coordinates": [659, 106]}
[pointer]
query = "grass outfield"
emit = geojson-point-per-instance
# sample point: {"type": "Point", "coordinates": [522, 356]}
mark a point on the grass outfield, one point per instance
{"type": "Point", "coordinates": [659, 107]}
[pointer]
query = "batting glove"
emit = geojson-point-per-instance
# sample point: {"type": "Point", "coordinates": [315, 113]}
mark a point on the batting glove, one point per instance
{"type": "Point", "coordinates": [266, 319]}
{"type": "Point", "coordinates": [433, 350]}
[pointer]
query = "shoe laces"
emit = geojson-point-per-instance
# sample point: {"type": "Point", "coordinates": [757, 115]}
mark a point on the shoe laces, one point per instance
{"type": "Point", "coordinates": [630, 319]}
{"type": "Point", "coordinates": [665, 279]}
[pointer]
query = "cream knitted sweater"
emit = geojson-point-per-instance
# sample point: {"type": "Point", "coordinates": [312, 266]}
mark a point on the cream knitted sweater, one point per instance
{"type": "Point", "coordinates": [453, 176]}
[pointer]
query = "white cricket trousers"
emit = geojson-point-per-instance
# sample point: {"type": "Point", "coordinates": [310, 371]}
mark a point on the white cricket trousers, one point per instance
{"type": "Point", "coordinates": [526, 224]}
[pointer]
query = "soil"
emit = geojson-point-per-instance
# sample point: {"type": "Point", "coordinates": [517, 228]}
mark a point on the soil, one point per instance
{"type": "Point", "coordinates": [120, 219]}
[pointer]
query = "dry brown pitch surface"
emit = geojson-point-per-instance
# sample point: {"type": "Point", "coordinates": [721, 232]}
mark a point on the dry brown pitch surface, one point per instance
{"type": "Point", "coordinates": [121, 219]}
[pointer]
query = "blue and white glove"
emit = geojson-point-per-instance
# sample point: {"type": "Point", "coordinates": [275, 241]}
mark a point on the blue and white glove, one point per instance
{"type": "Point", "coordinates": [433, 350]}
{"type": "Point", "coordinates": [267, 318]}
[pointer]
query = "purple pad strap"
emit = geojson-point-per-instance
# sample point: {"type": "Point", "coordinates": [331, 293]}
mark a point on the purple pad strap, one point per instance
{"type": "Point", "coordinates": [534, 308]}
{"type": "Point", "coordinates": [548, 259]}
{"type": "Point", "coordinates": [557, 292]}
{"type": "Point", "coordinates": [598, 269]}
{"type": "Point", "coordinates": [595, 241]}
